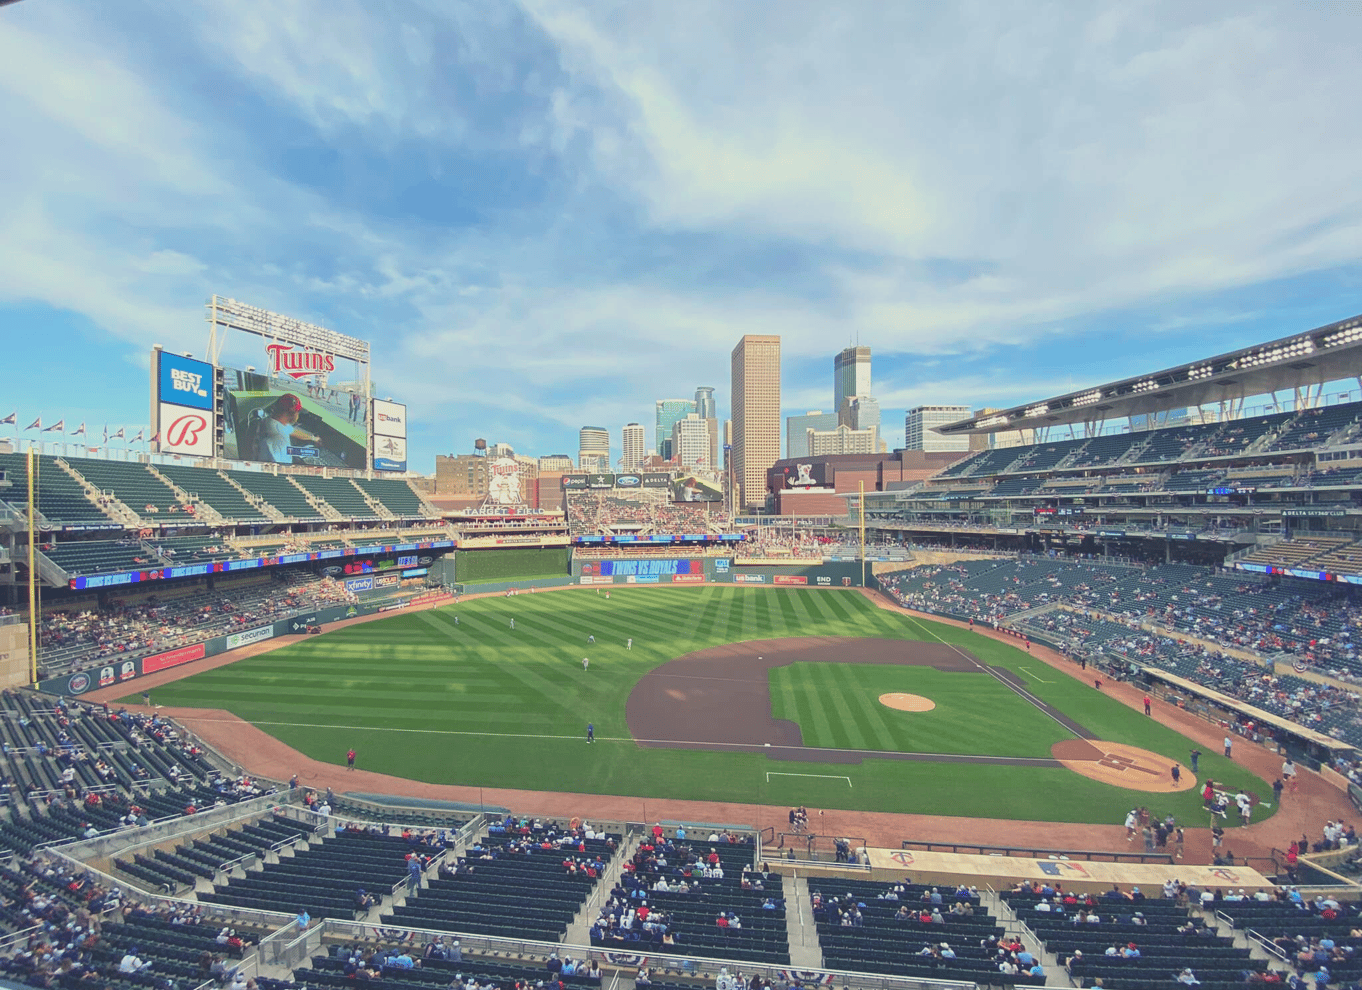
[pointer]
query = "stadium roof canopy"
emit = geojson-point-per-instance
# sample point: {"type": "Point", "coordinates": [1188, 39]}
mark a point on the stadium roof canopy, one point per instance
{"type": "Point", "coordinates": [1304, 360]}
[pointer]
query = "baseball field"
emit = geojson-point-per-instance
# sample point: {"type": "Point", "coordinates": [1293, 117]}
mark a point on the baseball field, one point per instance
{"type": "Point", "coordinates": [770, 696]}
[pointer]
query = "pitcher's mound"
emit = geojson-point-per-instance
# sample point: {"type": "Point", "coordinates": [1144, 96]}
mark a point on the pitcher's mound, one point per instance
{"type": "Point", "coordinates": [1122, 765]}
{"type": "Point", "coordinates": [907, 702]}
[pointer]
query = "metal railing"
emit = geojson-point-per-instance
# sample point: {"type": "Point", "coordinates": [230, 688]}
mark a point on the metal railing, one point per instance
{"type": "Point", "coordinates": [695, 966]}
{"type": "Point", "coordinates": [1091, 855]}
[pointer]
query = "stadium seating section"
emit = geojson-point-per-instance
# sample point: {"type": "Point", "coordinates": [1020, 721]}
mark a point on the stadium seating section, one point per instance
{"type": "Point", "coordinates": [210, 488]}
{"type": "Point", "coordinates": [60, 497]}
{"type": "Point", "coordinates": [513, 882]}
{"type": "Point", "coordinates": [340, 494]}
{"type": "Point", "coordinates": [279, 492]}
{"type": "Point", "coordinates": [1095, 608]}
{"type": "Point", "coordinates": [132, 484]}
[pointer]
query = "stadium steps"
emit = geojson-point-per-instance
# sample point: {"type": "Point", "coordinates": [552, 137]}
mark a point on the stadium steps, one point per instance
{"type": "Point", "coordinates": [203, 512]}
{"type": "Point", "coordinates": [806, 952]}
{"type": "Point", "coordinates": [328, 511]}
{"type": "Point", "coordinates": [116, 510]}
{"type": "Point", "coordinates": [579, 929]}
{"type": "Point", "coordinates": [1056, 975]}
{"type": "Point", "coordinates": [256, 500]}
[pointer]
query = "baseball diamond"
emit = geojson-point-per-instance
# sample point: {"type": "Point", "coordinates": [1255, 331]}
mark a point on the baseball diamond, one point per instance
{"type": "Point", "coordinates": [721, 685]}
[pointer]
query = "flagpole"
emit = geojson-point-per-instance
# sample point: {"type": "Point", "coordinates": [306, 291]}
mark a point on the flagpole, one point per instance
{"type": "Point", "coordinates": [32, 568]}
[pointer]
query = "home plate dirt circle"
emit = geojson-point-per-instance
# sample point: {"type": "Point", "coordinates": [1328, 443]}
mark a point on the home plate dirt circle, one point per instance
{"type": "Point", "coordinates": [901, 702]}
{"type": "Point", "coordinates": [1125, 766]}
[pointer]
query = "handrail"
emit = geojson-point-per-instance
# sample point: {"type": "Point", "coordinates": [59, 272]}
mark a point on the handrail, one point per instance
{"type": "Point", "coordinates": [1266, 943]}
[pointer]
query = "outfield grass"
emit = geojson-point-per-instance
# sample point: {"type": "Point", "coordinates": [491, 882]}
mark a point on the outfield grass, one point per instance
{"type": "Point", "coordinates": [475, 703]}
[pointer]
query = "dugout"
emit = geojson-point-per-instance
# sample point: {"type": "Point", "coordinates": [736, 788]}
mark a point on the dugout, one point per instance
{"type": "Point", "coordinates": [1310, 747]}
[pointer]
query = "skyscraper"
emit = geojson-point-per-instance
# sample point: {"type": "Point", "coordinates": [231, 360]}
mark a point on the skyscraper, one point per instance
{"type": "Point", "coordinates": [797, 429]}
{"type": "Point", "coordinates": [756, 415]}
{"type": "Point", "coordinates": [919, 428]}
{"type": "Point", "coordinates": [690, 441]}
{"type": "Point", "coordinates": [850, 376]}
{"type": "Point", "coordinates": [668, 412]}
{"type": "Point", "coordinates": [635, 446]}
{"type": "Point", "coordinates": [594, 449]}
{"type": "Point", "coordinates": [706, 409]}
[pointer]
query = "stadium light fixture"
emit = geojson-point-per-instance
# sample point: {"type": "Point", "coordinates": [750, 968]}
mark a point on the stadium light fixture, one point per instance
{"type": "Point", "coordinates": [1088, 398]}
{"type": "Point", "coordinates": [1146, 385]}
{"type": "Point", "coordinates": [1200, 371]}
{"type": "Point", "coordinates": [991, 421]}
{"type": "Point", "coordinates": [1338, 338]}
{"type": "Point", "coordinates": [1038, 410]}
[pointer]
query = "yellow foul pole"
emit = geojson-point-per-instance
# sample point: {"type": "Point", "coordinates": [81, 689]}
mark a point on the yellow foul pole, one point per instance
{"type": "Point", "coordinates": [862, 500]}
{"type": "Point", "coordinates": [32, 568]}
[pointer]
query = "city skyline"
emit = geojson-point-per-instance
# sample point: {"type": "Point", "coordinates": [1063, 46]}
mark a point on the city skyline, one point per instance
{"type": "Point", "coordinates": [557, 216]}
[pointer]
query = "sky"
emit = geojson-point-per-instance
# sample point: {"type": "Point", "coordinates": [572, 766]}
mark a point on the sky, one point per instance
{"type": "Point", "coordinates": [545, 215]}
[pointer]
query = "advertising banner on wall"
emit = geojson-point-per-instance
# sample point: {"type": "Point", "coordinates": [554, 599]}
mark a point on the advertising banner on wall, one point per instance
{"type": "Point", "coordinates": [656, 480]}
{"type": "Point", "coordinates": [257, 635]}
{"type": "Point", "coordinates": [173, 658]}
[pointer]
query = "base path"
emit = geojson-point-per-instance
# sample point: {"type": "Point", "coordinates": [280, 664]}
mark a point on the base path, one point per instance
{"type": "Point", "coordinates": [720, 698]}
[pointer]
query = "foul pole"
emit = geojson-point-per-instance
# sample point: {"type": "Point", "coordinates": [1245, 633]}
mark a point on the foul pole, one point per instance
{"type": "Point", "coordinates": [32, 567]}
{"type": "Point", "coordinates": [862, 502]}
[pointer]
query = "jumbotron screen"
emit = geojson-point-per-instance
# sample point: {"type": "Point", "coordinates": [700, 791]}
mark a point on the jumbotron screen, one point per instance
{"type": "Point", "coordinates": [289, 421]}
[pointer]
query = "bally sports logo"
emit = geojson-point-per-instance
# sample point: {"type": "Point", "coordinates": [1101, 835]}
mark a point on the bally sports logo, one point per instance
{"type": "Point", "coordinates": [284, 360]}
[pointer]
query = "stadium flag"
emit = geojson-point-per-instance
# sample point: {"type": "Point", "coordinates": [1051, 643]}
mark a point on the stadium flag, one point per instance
{"type": "Point", "coordinates": [156, 437]}
{"type": "Point", "coordinates": [58, 427]}
{"type": "Point", "coordinates": [118, 434]}
{"type": "Point", "coordinates": [11, 420]}
{"type": "Point", "coordinates": [37, 424]}
{"type": "Point", "coordinates": [79, 431]}
{"type": "Point", "coordinates": [139, 438]}
{"type": "Point", "coordinates": [106, 432]}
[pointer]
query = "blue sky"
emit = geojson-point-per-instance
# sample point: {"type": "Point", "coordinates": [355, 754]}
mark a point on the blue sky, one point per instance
{"type": "Point", "coordinates": [550, 214]}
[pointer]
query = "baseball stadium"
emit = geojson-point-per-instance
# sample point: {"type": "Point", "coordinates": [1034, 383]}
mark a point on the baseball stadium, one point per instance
{"type": "Point", "coordinates": [268, 702]}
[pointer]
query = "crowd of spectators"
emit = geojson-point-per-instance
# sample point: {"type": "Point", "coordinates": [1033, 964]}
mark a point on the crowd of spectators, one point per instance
{"type": "Point", "coordinates": [642, 511]}
{"type": "Point", "coordinates": [70, 639]}
{"type": "Point", "coordinates": [1222, 631]}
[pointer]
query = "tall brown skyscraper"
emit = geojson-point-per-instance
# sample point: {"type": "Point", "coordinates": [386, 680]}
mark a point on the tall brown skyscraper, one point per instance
{"type": "Point", "coordinates": [756, 415]}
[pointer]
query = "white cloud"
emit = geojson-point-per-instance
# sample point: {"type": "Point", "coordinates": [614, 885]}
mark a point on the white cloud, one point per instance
{"type": "Point", "coordinates": [649, 181]}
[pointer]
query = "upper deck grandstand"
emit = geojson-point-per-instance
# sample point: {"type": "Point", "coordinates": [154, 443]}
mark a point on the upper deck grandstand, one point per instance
{"type": "Point", "coordinates": [1206, 460]}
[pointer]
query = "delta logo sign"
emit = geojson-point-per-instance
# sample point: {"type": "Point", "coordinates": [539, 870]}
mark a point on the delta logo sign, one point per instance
{"type": "Point", "coordinates": [284, 360]}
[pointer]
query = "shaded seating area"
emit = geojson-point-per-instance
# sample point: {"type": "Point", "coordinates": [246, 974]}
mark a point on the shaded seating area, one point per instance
{"type": "Point", "coordinates": [1153, 941]}
{"type": "Point", "coordinates": [861, 927]}
{"type": "Point", "coordinates": [516, 883]}
{"type": "Point", "coordinates": [100, 556]}
{"type": "Point", "coordinates": [324, 878]}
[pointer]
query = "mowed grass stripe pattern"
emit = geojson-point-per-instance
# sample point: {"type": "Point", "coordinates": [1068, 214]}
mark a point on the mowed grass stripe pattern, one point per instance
{"type": "Point", "coordinates": [484, 705]}
{"type": "Point", "coordinates": [837, 705]}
